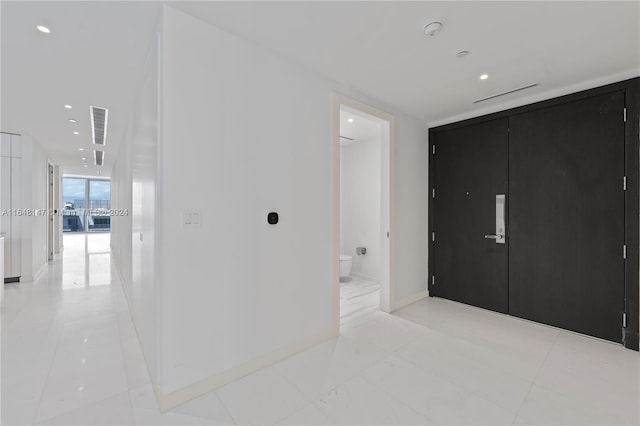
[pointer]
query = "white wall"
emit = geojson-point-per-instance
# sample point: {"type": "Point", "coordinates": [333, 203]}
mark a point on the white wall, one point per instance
{"type": "Point", "coordinates": [360, 176]}
{"type": "Point", "coordinates": [133, 189]}
{"type": "Point", "coordinates": [410, 192]}
{"type": "Point", "coordinates": [243, 134]}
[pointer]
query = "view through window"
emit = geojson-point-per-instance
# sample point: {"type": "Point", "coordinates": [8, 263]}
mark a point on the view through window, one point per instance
{"type": "Point", "coordinates": [86, 204]}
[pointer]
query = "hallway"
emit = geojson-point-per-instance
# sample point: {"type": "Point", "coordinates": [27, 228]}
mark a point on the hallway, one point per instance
{"type": "Point", "coordinates": [70, 356]}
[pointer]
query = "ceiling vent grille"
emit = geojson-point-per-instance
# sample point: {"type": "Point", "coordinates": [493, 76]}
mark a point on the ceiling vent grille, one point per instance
{"type": "Point", "coordinates": [528, 86]}
{"type": "Point", "coordinates": [98, 156]}
{"type": "Point", "coordinates": [99, 124]}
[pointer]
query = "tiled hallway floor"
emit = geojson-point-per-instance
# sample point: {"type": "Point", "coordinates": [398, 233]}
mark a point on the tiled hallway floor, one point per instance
{"type": "Point", "coordinates": [70, 356]}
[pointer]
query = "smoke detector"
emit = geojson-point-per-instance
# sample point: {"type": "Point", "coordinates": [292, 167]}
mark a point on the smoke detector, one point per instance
{"type": "Point", "coordinates": [433, 28]}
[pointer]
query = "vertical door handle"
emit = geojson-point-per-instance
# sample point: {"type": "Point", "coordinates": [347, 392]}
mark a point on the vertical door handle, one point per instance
{"type": "Point", "coordinates": [499, 236]}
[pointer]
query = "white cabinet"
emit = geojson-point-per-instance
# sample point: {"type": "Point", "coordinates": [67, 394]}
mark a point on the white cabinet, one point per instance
{"type": "Point", "coordinates": [1, 267]}
{"type": "Point", "coordinates": [11, 203]}
{"type": "Point", "coordinates": [5, 145]}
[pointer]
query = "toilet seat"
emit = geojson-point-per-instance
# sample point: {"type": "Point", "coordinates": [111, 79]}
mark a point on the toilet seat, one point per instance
{"type": "Point", "coordinates": [345, 257]}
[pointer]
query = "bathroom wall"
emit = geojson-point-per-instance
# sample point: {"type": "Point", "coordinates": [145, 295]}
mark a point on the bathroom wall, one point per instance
{"type": "Point", "coordinates": [360, 175]}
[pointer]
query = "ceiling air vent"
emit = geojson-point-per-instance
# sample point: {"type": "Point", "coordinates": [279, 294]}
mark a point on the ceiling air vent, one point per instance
{"type": "Point", "coordinates": [99, 124]}
{"type": "Point", "coordinates": [528, 86]}
{"type": "Point", "coordinates": [98, 156]}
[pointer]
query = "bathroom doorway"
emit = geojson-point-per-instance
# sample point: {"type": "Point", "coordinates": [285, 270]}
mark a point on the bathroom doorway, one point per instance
{"type": "Point", "coordinates": [362, 206]}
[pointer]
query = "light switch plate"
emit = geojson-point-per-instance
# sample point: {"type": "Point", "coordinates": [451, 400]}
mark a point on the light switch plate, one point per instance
{"type": "Point", "coordinates": [191, 219]}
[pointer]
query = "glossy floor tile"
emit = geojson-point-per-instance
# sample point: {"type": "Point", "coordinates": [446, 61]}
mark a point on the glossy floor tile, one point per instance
{"type": "Point", "coordinates": [70, 356]}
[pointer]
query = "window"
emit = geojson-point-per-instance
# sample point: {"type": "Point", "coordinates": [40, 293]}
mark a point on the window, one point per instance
{"type": "Point", "coordinates": [86, 205]}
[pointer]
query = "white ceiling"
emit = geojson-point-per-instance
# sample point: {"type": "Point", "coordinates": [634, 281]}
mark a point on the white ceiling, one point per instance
{"type": "Point", "coordinates": [96, 49]}
{"type": "Point", "coordinates": [361, 128]}
{"type": "Point", "coordinates": [93, 56]}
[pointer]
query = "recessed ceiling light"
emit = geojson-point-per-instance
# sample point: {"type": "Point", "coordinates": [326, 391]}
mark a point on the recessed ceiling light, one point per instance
{"type": "Point", "coordinates": [73, 120]}
{"type": "Point", "coordinates": [350, 120]}
{"type": "Point", "coordinates": [462, 54]}
{"type": "Point", "coordinates": [68, 106]}
{"type": "Point", "coordinates": [484, 76]}
{"type": "Point", "coordinates": [76, 133]}
{"type": "Point", "coordinates": [43, 29]}
{"type": "Point", "coordinates": [84, 158]}
{"type": "Point", "coordinates": [433, 28]}
{"type": "Point", "coordinates": [86, 165]}
{"type": "Point", "coordinates": [81, 149]}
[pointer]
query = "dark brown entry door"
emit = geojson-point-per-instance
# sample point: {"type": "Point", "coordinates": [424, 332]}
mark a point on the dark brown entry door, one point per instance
{"type": "Point", "coordinates": [470, 172]}
{"type": "Point", "coordinates": [566, 215]}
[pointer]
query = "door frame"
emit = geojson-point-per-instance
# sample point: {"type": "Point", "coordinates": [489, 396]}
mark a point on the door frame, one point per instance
{"type": "Point", "coordinates": [386, 282]}
{"type": "Point", "coordinates": [51, 213]}
{"type": "Point", "coordinates": [631, 88]}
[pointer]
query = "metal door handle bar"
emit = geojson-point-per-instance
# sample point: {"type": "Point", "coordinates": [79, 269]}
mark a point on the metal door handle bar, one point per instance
{"type": "Point", "coordinates": [494, 237]}
{"type": "Point", "coordinates": [499, 236]}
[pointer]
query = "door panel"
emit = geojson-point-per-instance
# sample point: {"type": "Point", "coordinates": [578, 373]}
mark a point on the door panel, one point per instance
{"type": "Point", "coordinates": [470, 170]}
{"type": "Point", "coordinates": [566, 215]}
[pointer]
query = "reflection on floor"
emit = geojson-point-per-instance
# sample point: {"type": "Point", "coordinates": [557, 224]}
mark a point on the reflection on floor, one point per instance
{"type": "Point", "coordinates": [70, 356]}
{"type": "Point", "coordinates": [359, 300]}
{"type": "Point", "coordinates": [86, 260]}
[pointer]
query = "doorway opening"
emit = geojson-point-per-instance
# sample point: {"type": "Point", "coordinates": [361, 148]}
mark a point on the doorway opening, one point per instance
{"type": "Point", "coordinates": [362, 206]}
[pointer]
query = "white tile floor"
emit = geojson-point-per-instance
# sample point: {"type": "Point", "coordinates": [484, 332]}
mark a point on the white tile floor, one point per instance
{"type": "Point", "coordinates": [70, 356]}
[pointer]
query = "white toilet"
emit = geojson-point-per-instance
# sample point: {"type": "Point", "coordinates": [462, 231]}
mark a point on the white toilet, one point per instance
{"type": "Point", "coordinates": [345, 265]}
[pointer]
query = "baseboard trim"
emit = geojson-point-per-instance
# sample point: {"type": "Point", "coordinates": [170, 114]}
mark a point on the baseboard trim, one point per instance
{"type": "Point", "coordinates": [173, 399]}
{"type": "Point", "coordinates": [127, 297]}
{"type": "Point", "coordinates": [409, 300]}
{"type": "Point", "coordinates": [180, 396]}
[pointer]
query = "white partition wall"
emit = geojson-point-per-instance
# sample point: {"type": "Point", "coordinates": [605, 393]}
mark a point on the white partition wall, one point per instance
{"type": "Point", "coordinates": [133, 190]}
{"type": "Point", "coordinates": [222, 133]}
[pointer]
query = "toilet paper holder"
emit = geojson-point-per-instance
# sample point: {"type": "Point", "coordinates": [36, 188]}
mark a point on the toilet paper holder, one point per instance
{"type": "Point", "coordinates": [361, 250]}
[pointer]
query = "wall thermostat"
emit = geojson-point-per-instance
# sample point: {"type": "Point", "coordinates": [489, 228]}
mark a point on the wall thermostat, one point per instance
{"type": "Point", "coordinates": [272, 218]}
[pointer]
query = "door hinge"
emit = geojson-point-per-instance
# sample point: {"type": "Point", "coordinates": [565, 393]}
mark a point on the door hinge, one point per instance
{"type": "Point", "coordinates": [625, 115]}
{"type": "Point", "coordinates": [433, 280]}
{"type": "Point", "coordinates": [433, 236]}
{"type": "Point", "coordinates": [624, 251]}
{"type": "Point", "coordinates": [433, 193]}
{"type": "Point", "coordinates": [624, 183]}
{"type": "Point", "coordinates": [624, 320]}
{"type": "Point", "coordinates": [433, 149]}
